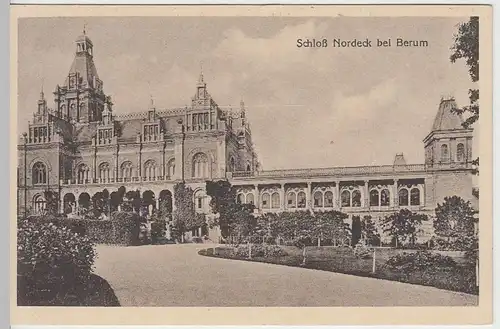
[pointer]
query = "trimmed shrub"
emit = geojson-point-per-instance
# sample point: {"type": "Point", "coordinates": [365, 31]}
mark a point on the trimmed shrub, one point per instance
{"type": "Point", "coordinates": [158, 230]}
{"type": "Point", "coordinates": [126, 228]}
{"type": "Point", "coordinates": [260, 250]}
{"type": "Point", "coordinates": [51, 260]}
{"type": "Point", "coordinates": [362, 251]}
{"type": "Point", "coordinates": [407, 263]}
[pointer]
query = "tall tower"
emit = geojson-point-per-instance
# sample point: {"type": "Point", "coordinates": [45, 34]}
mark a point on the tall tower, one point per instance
{"type": "Point", "coordinates": [448, 155]}
{"type": "Point", "coordinates": [449, 144]}
{"type": "Point", "coordinates": [81, 98]}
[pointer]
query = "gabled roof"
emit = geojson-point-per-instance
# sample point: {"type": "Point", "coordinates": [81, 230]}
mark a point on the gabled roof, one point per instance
{"type": "Point", "coordinates": [84, 65]}
{"type": "Point", "coordinates": [445, 119]}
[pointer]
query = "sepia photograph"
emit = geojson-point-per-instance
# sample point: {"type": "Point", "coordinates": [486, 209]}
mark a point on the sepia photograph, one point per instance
{"type": "Point", "coordinates": [248, 161]}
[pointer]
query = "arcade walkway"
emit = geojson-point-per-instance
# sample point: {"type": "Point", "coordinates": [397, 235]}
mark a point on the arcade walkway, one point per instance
{"type": "Point", "coordinates": [175, 275]}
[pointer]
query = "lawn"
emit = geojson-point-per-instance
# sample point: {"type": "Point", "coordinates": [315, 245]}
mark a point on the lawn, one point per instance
{"type": "Point", "coordinates": [342, 260]}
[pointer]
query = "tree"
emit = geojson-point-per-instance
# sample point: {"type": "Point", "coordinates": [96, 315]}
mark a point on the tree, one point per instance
{"type": "Point", "coordinates": [466, 46]}
{"type": "Point", "coordinates": [454, 219]}
{"type": "Point", "coordinates": [403, 226]}
{"type": "Point", "coordinates": [369, 231]}
{"type": "Point", "coordinates": [184, 211]}
{"type": "Point", "coordinates": [232, 214]}
{"type": "Point", "coordinates": [52, 201]}
{"type": "Point", "coordinates": [356, 230]}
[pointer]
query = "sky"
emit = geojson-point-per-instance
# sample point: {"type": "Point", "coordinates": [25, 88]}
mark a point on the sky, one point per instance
{"type": "Point", "coordinates": [308, 107]}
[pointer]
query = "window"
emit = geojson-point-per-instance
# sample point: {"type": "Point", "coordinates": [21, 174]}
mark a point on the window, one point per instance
{"type": "Point", "coordinates": [415, 197]}
{"type": "Point", "coordinates": [291, 200]}
{"type": "Point", "coordinates": [150, 170]}
{"type": "Point", "coordinates": [200, 200]}
{"type": "Point", "coordinates": [83, 174]}
{"type": "Point", "coordinates": [126, 170]}
{"type": "Point", "coordinates": [104, 172]}
{"type": "Point", "coordinates": [249, 168]}
{"type": "Point", "coordinates": [403, 197]}
{"type": "Point", "coordinates": [241, 198]}
{"type": "Point", "coordinates": [385, 198]}
{"type": "Point", "coordinates": [318, 199]}
{"type": "Point", "coordinates": [266, 201]}
{"type": "Point", "coordinates": [356, 198]}
{"type": "Point", "coordinates": [374, 198]}
{"type": "Point", "coordinates": [200, 166]}
{"type": "Point", "coordinates": [39, 173]}
{"type": "Point", "coordinates": [345, 198]}
{"type": "Point", "coordinates": [301, 200]}
{"type": "Point", "coordinates": [275, 200]}
{"type": "Point", "coordinates": [329, 199]}
{"type": "Point", "coordinates": [444, 152]}
{"type": "Point", "coordinates": [250, 198]}
{"type": "Point", "coordinates": [171, 168]}
{"type": "Point", "coordinates": [460, 152]}
{"type": "Point", "coordinates": [39, 204]}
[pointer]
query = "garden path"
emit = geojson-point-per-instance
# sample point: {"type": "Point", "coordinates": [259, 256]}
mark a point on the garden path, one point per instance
{"type": "Point", "coordinates": [175, 275]}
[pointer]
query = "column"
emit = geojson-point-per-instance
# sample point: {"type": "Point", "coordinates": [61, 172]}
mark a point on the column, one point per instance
{"type": "Point", "coordinates": [366, 201]}
{"type": "Point", "coordinates": [116, 170]}
{"type": "Point", "coordinates": [283, 196]}
{"type": "Point", "coordinates": [61, 205]}
{"type": "Point", "coordinates": [139, 174]}
{"type": "Point", "coordinates": [157, 203]}
{"type": "Point", "coordinates": [395, 190]}
{"type": "Point", "coordinates": [337, 194]}
{"type": "Point", "coordinates": [256, 196]}
{"type": "Point", "coordinates": [308, 196]}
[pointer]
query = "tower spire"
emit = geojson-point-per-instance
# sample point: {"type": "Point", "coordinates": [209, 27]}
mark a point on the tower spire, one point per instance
{"type": "Point", "coordinates": [42, 95]}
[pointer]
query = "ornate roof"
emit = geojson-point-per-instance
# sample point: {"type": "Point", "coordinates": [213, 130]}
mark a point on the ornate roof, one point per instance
{"type": "Point", "coordinates": [445, 118]}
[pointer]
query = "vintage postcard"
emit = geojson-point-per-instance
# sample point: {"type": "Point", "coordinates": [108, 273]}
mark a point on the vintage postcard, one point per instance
{"type": "Point", "coordinates": [251, 165]}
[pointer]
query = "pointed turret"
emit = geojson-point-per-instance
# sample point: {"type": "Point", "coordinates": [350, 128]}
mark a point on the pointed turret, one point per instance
{"type": "Point", "coordinates": [448, 143]}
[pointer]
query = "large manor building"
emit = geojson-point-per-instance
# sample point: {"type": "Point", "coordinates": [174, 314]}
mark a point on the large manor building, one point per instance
{"type": "Point", "coordinates": [80, 147]}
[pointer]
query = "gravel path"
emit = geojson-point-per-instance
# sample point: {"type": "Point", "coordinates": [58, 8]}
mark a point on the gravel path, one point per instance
{"type": "Point", "coordinates": [175, 275]}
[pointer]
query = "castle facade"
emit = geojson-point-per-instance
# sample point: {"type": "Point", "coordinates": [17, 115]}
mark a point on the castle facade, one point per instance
{"type": "Point", "coordinates": [80, 147]}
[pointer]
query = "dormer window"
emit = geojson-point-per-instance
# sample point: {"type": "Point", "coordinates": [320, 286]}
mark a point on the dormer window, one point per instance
{"type": "Point", "coordinates": [105, 136]}
{"type": "Point", "coordinates": [151, 132]}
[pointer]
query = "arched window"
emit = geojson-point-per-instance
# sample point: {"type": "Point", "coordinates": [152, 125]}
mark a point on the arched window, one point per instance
{"type": "Point", "coordinates": [266, 201]}
{"type": "Point", "coordinates": [104, 172]}
{"type": "Point", "coordinates": [345, 198]}
{"type": "Point", "coordinates": [250, 199]}
{"type": "Point", "coordinates": [318, 199]}
{"type": "Point", "coordinates": [301, 199]}
{"type": "Point", "coordinates": [329, 199]}
{"type": "Point", "coordinates": [385, 198]}
{"type": "Point", "coordinates": [200, 166]}
{"type": "Point", "coordinates": [460, 152]}
{"type": "Point", "coordinates": [126, 170]}
{"type": "Point", "coordinates": [150, 170]}
{"type": "Point", "coordinates": [171, 168]}
{"type": "Point", "coordinates": [444, 152]}
{"type": "Point", "coordinates": [374, 198]}
{"type": "Point", "coordinates": [356, 198]}
{"type": "Point", "coordinates": [83, 174]}
{"type": "Point", "coordinates": [275, 200]}
{"type": "Point", "coordinates": [240, 198]}
{"type": "Point", "coordinates": [249, 168]}
{"type": "Point", "coordinates": [415, 197]}
{"type": "Point", "coordinates": [39, 204]}
{"type": "Point", "coordinates": [291, 200]}
{"type": "Point", "coordinates": [403, 197]}
{"type": "Point", "coordinates": [39, 173]}
{"type": "Point", "coordinates": [200, 201]}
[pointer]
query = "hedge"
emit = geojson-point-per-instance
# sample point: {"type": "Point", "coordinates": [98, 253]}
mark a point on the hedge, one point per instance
{"type": "Point", "coordinates": [126, 228]}
{"type": "Point", "coordinates": [122, 229]}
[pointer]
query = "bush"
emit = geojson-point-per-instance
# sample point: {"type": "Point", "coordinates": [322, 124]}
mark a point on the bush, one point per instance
{"type": "Point", "coordinates": [260, 250]}
{"type": "Point", "coordinates": [158, 230]}
{"type": "Point", "coordinates": [50, 259]}
{"type": "Point", "coordinates": [419, 261]}
{"type": "Point", "coordinates": [361, 250]}
{"type": "Point", "coordinates": [126, 228]}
